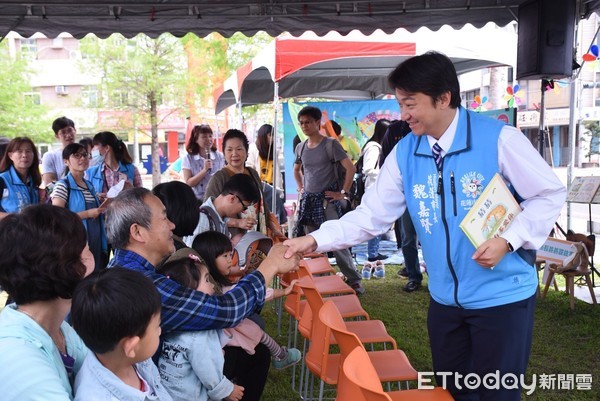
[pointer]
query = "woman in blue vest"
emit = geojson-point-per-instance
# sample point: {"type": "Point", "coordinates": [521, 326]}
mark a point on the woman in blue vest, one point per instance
{"type": "Point", "coordinates": [78, 195]}
{"type": "Point", "coordinates": [112, 164]}
{"type": "Point", "coordinates": [20, 176]}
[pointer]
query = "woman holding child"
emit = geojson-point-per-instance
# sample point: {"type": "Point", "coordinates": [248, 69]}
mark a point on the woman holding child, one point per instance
{"type": "Point", "coordinates": [39, 352]}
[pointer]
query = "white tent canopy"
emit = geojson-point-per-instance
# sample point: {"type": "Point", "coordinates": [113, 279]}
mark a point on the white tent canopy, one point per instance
{"type": "Point", "coordinates": [356, 66]}
{"type": "Point", "coordinates": [153, 17]}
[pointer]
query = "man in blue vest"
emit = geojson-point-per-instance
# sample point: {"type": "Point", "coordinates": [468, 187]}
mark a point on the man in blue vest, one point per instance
{"type": "Point", "coordinates": [480, 319]}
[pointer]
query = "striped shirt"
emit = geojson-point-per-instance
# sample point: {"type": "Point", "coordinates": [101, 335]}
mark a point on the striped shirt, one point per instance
{"type": "Point", "coordinates": [61, 191]}
{"type": "Point", "coordinates": [185, 309]}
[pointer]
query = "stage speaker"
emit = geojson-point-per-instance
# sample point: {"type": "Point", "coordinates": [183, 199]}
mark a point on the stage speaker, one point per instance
{"type": "Point", "coordinates": [546, 39]}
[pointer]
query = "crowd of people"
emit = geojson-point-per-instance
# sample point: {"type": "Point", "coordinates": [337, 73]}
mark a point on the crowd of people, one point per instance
{"type": "Point", "coordinates": [173, 316]}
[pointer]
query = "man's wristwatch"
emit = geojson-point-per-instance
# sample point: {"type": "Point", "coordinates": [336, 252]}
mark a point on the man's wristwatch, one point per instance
{"type": "Point", "coordinates": [509, 245]}
{"type": "Point", "coordinates": [343, 192]}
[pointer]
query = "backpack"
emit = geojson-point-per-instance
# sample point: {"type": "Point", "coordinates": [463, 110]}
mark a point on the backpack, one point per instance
{"type": "Point", "coordinates": [358, 186]}
{"type": "Point", "coordinates": [212, 216]}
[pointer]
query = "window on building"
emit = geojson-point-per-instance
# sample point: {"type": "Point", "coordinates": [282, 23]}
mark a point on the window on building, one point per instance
{"type": "Point", "coordinates": [119, 98]}
{"type": "Point", "coordinates": [89, 96]}
{"type": "Point", "coordinates": [29, 49]}
{"type": "Point", "coordinates": [33, 97]}
{"type": "Point", "coordinates": [469, 97]}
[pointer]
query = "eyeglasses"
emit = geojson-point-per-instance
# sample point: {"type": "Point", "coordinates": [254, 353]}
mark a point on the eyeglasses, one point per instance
{"type": "Point", "coordinates": [82, 155]}
{"type": "Point", "coordinates": [242, 202]}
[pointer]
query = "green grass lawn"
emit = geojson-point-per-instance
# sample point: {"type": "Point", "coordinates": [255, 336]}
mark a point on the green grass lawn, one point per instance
{"type": "Point", "coordinates": [564, 342]}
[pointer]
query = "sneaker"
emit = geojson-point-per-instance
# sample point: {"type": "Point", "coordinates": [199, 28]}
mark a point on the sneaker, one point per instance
{"type": "Point", "coordinates": [293, 357]}
{"type": "Point", "coordinates": [403, 272]}
{"type": "Point", "coordinates": [378, 257]}
{"type": "Point", "coordinates": [412, 286]}
{"type": "Point", "coordinates": [366, 271]}
{"type": "Point", "coordinates": [358, 288]}
{"type": "Point", "coordinates": [379, 272]}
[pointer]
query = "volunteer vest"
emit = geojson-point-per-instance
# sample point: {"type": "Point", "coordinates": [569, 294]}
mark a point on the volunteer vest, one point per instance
{"type": "Point", "coordinates": [16, 194]}
{"type": "Point", "coordinates": [438, 203]}
{"type": "Point", "coordinates": [94, 174]}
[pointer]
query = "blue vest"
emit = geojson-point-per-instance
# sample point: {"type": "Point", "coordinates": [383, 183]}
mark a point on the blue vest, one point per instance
{"type": "Point", "coordinates": [437, 205]}
{"type": "Point", "coordinates": [18, 193]}
{"type": "Point", "coordinates": [94, 174]}
{"type": "Point", "coordinates": [76, 203]}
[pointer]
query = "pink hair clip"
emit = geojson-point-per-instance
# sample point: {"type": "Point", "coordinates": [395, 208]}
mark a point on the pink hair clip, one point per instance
{"type": "Point", "coordinates": [194, 257]}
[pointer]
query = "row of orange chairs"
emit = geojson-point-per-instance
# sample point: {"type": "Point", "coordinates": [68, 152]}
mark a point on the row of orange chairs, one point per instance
{"type": "Point", "coordinates": [320, 321]}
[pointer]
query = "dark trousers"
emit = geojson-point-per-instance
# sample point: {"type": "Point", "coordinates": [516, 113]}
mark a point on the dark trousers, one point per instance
{"type": "Point", "coordinates": [410, 249]}
{"type": "Point", "coordinates": [481, 341]}
{"type": "Point", "coordinates": [248, 371]}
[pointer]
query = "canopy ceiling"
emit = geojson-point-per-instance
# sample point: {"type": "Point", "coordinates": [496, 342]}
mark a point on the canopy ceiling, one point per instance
{"type": "Point", "coordinates": [356, 66]}
{"type": "Point", "coordinates": [130, 17]}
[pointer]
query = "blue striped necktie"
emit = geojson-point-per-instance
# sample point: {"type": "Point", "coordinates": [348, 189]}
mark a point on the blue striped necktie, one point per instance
{"type": "Point", "coordinates": [436, 150]}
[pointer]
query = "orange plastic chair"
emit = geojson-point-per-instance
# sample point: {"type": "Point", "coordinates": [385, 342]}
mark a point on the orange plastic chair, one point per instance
{"type": "Point", "coordinates": [368, 331]}
{"type": "Point", "coordinates": [348, 304]}
{"type": "Point", "coordinates": [319, 265]}
{"type": "Point", "coordinates": [359, 382]}
{"type": "Point", "coordinates": [326, 285]}
{"type": "Point", "coordinates": [391, 365]}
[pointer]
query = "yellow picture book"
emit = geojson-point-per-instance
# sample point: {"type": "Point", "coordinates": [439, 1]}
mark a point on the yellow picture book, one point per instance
{"type": "Point", "coordinates": [491, 214]}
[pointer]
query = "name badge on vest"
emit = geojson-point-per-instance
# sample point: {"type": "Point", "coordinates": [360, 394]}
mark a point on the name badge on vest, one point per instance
{"type": "Point", "coordinates": [5, 193]}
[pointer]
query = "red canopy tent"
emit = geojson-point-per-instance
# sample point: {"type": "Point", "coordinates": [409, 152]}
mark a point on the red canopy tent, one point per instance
{"type": "Point", "coordinates": [355, 66]}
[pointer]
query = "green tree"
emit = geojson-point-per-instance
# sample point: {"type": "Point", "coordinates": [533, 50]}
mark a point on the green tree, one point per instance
{"type": "Point", "coordinates": [592, 147]}
{"type": "Point", "coordinates": [139, 75]}
{"type": "Point", "coordinates": [213, 59]}
{"type": "Point", "coordinates": [20, 115]}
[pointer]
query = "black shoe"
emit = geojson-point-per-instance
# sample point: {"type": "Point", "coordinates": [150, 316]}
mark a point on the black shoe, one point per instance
{"type": "Point", "coordinates": [411, 286]}
{"type": "Point", "coordinates": [403, 272]}
{"type": "Point", "coordinates": [358, 288]}
{"type": "Point", "coordinates": [378, 257]}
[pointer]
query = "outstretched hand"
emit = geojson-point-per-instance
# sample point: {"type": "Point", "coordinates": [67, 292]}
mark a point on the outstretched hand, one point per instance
{"type": "Point", "coordinates": [300, 245]}
{"type": "Point", "coordinates": [491, 252]}
{"type": "Point", "coordinates": [285, 264]}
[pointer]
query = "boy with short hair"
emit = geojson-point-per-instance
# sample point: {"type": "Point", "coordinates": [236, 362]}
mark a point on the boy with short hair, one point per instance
{"type": "Point", "coordinates": [116, 312]}
{"type": "Point", "coordinates": [237, 195]}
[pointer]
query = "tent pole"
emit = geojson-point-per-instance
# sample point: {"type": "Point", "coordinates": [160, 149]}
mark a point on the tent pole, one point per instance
{"type": "Point", "coordinates": [275, 153]}
{"type": "Point", "coordinates": [542, 127]}
{"type": "Point", "coordinates": [240, 116]}
{"type": "Point", "coordinates": [574, 100]}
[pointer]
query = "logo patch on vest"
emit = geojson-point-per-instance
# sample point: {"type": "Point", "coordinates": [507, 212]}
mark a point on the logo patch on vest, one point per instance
{"type": "Point", "coordinates": [472, 187]}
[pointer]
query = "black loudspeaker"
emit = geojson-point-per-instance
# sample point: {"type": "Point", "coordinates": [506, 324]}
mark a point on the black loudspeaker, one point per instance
{"type": "Point", "coordinates": [546, 39]}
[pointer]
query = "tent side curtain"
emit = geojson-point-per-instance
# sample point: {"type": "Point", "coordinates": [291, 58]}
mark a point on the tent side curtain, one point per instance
{"type": "Point", "coordinates": [102, 17]}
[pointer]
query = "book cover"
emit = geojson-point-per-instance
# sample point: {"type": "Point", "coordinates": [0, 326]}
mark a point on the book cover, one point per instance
{"type": "Point", "coordinates": [491, 214]}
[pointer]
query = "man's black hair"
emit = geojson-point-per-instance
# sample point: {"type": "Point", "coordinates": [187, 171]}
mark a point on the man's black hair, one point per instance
{"type": "Point", "coordinates": [432, 74]}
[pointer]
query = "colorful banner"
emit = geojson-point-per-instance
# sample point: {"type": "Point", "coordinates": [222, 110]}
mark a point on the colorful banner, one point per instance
{"type": "Point", "coordinates": [357, 119]}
